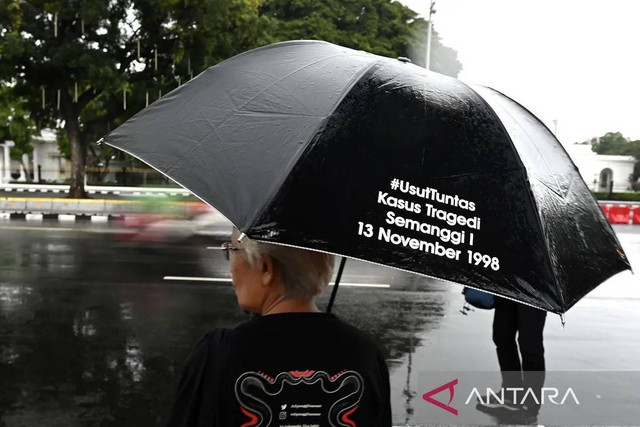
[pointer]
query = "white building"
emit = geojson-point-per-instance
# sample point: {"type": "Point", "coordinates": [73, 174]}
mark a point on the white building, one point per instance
{"type": "Point", "coordinates": [5, 161]}
{"type": "Point", "coordinates": [45, 164]}
{"type": "Point", "coordinates": [599, 170]}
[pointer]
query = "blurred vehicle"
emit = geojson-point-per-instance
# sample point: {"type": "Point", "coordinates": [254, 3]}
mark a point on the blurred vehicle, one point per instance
{"type": "Point", "coordinates": [152, 229]}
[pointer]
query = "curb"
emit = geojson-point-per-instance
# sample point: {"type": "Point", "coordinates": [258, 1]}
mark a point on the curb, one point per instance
{"type": "Point", "coordinates": [59, 217]}
{"type": "Point", "coordinates": [95, 189]}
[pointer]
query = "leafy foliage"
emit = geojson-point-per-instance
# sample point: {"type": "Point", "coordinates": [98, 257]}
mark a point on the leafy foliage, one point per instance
{"type": "Point", "coordinates": [15, 123]}
{"type": "Point", "coordinates": [611, 143]}
{"type": "Point", "coordinates": [75, 64]}
{"type": "Point", "coordinates": [379, 26]}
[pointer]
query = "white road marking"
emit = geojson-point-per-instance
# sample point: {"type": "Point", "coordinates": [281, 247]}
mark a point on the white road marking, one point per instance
{"type": "Point", "coordinates": [197, 279]}
{"type": "Point", "coordinates": [363, 285]}
{"type": "Point", "coordinates": [222, 279]}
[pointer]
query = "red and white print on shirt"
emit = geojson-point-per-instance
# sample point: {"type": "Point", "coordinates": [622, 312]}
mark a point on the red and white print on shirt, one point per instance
{"type": "Point", "coordinates": [299, 397]}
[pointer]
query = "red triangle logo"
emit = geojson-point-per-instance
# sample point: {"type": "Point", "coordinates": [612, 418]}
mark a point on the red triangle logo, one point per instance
{"type": "Point", "coordinates": [446, 406]}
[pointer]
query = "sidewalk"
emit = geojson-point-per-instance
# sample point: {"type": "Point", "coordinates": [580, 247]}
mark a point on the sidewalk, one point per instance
{"type": "Point", "coordinates": [53, 208]}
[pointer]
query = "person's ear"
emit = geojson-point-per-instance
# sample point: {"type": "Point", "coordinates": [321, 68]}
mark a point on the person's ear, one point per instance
{"type": "Point", "coordinates": [268, 271]}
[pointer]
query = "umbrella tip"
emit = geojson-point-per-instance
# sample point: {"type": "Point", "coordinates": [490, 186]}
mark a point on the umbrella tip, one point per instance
{"type": "Point", "coordinates": [100, 141]}
{"type": "Point", "coordinates": [404, 59]}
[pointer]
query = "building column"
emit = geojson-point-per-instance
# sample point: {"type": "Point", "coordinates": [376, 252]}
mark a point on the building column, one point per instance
{"type": "Point", "coordinates": [36, 170]}
{"type": "Point", "coordinates": [6, 170]}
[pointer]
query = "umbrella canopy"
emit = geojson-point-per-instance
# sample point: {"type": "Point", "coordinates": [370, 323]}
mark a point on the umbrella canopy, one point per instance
{"type": "Point", "coordinates": [318, 146]}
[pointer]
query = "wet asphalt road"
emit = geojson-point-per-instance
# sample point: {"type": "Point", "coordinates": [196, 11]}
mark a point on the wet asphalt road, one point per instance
{"type": "Point", "coordinates": [91, 334]}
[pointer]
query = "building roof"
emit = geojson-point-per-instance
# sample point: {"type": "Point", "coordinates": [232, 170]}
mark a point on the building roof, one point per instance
{"type": "Point", "coordinates": [583, 150]}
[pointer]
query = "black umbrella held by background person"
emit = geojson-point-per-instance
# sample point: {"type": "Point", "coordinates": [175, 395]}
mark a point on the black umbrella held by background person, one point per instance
{"type": "Point", "coordinates": [318, 146]}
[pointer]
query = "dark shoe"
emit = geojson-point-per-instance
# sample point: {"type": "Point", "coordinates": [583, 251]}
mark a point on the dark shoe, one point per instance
{"type": "Point", "coordinates": [529, 419]}
{"type": "Point", "coordinates": [524, 416]}
{"type": "Point", "coordinates": [507, 412]}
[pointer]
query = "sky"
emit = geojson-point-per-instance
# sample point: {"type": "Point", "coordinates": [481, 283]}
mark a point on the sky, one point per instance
{"type": "Point", "coordinates": [576, 62]}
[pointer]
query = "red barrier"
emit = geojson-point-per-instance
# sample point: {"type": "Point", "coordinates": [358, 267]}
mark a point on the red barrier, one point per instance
{"type": "Point", "coordinates": [619, 214]}
{"type": "Point", "coordinates": [636, 215]}
{"type": "Point", "coordinates": [606, 209]}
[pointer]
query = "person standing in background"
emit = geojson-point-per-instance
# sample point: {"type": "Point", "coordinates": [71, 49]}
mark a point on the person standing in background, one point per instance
{"type": "Point", "coordinates": [518, 336]}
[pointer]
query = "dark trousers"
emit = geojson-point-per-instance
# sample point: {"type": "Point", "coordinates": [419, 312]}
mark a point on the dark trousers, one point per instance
{"type": "Point", "coordinates": [519, 327]}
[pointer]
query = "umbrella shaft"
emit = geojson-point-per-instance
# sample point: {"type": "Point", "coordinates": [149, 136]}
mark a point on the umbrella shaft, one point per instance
{"type": "Point", "coordinates": [335, 286]}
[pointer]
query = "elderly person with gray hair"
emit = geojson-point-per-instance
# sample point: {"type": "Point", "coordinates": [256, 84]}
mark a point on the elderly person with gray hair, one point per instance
{"type": "Point", "coordinates": [291, 365]}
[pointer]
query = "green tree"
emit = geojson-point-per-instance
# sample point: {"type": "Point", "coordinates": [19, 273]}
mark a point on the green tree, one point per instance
{"type": "Point", "coordinates": [634, 150]}
{"type": "Point", "coordinates": [611, 143]}
{"type": "Point", "coordinates": [85, 66]}
{"type": "Point", "coordinates": [382, 27]}
{"type": "Point", "coordinates": [15, 123]}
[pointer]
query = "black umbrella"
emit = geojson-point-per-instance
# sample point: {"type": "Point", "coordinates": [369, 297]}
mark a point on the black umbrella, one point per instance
{"type": "Point", "coordinates": [318, 146]}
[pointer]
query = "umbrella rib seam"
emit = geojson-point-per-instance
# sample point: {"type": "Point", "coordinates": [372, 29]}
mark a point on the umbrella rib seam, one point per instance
{"type": "Point", "coordinates": [533, 200]}
{"type": "Point", "coordinates": [240, 109]}
{"type": "Point", "coordinates": [276, 188]}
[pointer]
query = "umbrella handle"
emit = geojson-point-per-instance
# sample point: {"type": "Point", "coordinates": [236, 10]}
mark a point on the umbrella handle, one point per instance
{"type": "Point", "coordinates": [335, 286]}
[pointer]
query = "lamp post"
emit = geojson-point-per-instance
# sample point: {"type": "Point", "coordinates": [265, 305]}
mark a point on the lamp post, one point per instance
{"type": "Point", "coordinates": [427, 63]}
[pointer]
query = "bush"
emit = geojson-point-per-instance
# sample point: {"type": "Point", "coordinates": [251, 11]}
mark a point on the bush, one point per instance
{"type": "Point", "coordinates": [623, 197]}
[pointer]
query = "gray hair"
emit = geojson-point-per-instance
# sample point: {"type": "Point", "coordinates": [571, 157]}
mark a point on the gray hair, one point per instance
{"type": "Point", "coordinates": [305, 273]}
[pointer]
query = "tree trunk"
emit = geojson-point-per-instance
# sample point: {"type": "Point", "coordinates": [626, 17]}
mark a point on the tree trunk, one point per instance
{"type": "Point", "coordinates": [25, 166]}
{"type": "Point", "coordinates": [78, 162]}
{"type": "Point", "coordinates": [78, 147]}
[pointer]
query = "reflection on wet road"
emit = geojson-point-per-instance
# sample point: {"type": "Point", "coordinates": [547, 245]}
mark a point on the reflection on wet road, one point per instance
{"type": "Point", "coordinates": [91, 334]}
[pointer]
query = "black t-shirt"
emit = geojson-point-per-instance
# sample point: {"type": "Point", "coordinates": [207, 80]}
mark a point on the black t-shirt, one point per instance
{"type": "Point", "coordinates": [285, 370]}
